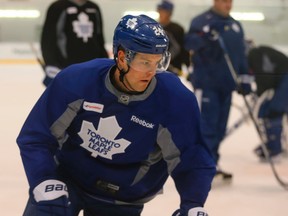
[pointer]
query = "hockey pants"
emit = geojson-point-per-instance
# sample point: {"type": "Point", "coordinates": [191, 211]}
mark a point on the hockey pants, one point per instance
{"type": "Point", "coordinates": [215, 108]}
{"type": "Point", "coordinates": [273, 133]}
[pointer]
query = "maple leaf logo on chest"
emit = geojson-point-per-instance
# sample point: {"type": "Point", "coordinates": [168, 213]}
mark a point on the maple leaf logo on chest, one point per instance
{"type": "Point", "coordinates": [102, 142]}
{"type": "Point", "coordinates": [83, 27]}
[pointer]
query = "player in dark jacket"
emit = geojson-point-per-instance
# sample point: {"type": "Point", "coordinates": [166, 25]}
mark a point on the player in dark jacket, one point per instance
{"type": "Point", "coordinates": [175, 33]}
{"type": "Point", "coordinates": [104, 136]}
{"type": "Point", "coordinates": [211, 78]}
{"type": "Point", "coordinates": [72, 33]}
{"type": "Point", "coordinates": [270, 67]}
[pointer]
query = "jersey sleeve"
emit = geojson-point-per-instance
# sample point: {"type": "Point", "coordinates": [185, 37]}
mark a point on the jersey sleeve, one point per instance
{"type": "Point", "coordinates": [49, 38]}
{"type": "Point", "coordinates": [36, 142]}
{"type": "Point", "coordinates": [244, 69]}
{"type": "Point", "coordinates": [189, 161]}
{"type": "Point", "coordinates": [194, 37]}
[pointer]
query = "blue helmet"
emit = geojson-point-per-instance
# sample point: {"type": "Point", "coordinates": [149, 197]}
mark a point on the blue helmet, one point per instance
{"type": "Point", "coordinates": [140, 34]}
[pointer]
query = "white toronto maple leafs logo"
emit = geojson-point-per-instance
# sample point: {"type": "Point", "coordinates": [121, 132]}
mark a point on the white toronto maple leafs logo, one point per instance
{"type": "Point", "coordinates": [102, 142]}
{"type": "Point", "coordinates": [83, 27]}
{"type": "Point", "coordinates": [131, 23]}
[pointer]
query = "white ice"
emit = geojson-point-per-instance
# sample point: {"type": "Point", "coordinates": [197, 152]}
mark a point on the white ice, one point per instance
{"type": "Point", "coordinates": [253, 192]}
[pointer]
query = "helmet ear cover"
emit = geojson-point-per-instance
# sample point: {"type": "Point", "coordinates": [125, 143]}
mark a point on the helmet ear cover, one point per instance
{"type": "Point", "coordinates": [129, 55]}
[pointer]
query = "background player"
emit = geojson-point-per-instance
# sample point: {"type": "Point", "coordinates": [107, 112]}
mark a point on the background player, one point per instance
{"type": "Point", "coordinates": [211, 77]}
{"type": "Point", "coordinates": [72, 33]}
{"type": "Point", "coordinates": [270, 67]}
{"type": "Point", "coordinates": [175, 33]}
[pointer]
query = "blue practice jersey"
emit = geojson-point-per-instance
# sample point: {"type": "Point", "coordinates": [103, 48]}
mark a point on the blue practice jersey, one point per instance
{"type": "Point", "coordinates": [113, 145]}
{"type": "Point", "coordinates": [210, 68]}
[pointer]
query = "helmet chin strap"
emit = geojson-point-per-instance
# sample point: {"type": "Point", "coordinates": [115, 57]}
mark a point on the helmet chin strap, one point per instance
{"type": "Point", "coordinates": [122, 78]}
{"type": "Point", "coordinates": [122, 74]}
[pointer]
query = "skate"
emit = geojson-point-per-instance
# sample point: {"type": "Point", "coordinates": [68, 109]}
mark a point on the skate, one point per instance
{"type": "Point", "coordinates": [276, 157]}
{"type": "Point", "coordinates": [222, 178]}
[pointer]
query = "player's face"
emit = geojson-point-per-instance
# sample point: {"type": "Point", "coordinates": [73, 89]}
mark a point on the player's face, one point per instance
{"type": "Point", "coordinates": [164, 16]}
{"type": "Point", "coordinates": [223, 6]}
{"type": "Point", "coordinates": [142, 69]}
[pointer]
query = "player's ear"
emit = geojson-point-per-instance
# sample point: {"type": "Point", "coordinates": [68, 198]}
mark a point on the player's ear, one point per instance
{"type": "Point", "coordinates": [121, 57]}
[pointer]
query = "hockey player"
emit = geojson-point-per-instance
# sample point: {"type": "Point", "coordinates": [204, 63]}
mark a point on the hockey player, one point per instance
{"type": "Point", "coordinates": [175, 32]}
{"type": "Point", "coordinates": [72, 33]}
{"type": "Point", "coordinates": [211, 77]}
{"type": "Point", "coordinates": [104, 136]}
{"type": "Point", "coordinates": [270, 67]}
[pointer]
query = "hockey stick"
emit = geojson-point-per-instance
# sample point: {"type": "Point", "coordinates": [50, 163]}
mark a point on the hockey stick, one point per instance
{"type": "Point", "coordinates": [264, 147]}
{"type": "Point", "coordinates": [236, 125]}
{"type": "Point", "coordinates": [39, 60]}
{"type": "Point", "coordinates": [244, 118]}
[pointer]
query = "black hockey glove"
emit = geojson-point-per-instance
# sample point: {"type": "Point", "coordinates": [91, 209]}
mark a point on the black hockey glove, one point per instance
{"type": "Point", "coordinates": [51, 198]}
{"type": "Point", "coordinates": [213, 29]}
{"type": "Point", "coordinates": [210, 34]}
{"type": "Point", "coordinates": [244, 83]}
{"type": "Point", "coordinates": [244, 89]}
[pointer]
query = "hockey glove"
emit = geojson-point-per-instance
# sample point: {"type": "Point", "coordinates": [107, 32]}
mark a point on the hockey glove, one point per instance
{"type": "Point", "coordinates": [51, 197]}
{"type": "Point", "coordinates": [212, 30]}
{"type": "Point", "coordinates": [51, 71]}
{"type": "Point", "coordinates": [244, 87]}
{"type": "Point", "coordinates": [210, 34]}
{"type": "Point", "coordinates": [197, 211]}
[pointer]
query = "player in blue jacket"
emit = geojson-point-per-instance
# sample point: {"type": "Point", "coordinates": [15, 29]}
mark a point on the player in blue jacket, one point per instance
{"type": "Point", "coordinates": [211, 78]}
{"type": "Point", "coordinates": [106, 134]}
